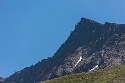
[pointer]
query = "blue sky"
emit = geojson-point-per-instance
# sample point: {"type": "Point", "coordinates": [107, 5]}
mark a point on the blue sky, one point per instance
{"type": "Point", "coordinates": [31, 30]}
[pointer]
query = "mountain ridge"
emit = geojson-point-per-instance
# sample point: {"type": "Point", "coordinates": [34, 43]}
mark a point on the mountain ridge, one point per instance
{"type": "Point", "coordinates": [90, 45]}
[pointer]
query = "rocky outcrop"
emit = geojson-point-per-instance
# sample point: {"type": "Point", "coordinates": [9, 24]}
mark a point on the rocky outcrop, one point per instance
{"type": "Point", "coordinates": [89, 47]}
{"type": "Point", "coordinates": [2, 80]}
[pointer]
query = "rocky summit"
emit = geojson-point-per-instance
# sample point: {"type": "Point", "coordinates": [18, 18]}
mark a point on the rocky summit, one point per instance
{"type": "Point", "coordinates": [91, 46]}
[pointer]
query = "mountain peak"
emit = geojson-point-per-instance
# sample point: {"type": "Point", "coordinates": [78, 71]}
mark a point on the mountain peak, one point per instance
{"type": "Point", "coordinates": [86, 24]}
{"type": "Point", "coordinates": [89, 47]}
{"type": "Point", "coordinates": [87, 20]}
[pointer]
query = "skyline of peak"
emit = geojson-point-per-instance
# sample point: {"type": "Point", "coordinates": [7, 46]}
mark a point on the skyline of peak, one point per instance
{"type": "Point", "coordinates": [33, 30]}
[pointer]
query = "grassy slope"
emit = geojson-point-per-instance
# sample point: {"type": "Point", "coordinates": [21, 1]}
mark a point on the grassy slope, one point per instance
{"type": "Point", "coordinates": [108, 75]}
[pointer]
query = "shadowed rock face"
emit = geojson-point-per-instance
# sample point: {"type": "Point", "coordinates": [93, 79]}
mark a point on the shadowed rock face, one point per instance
{"type": "Point", "coordinates": [89, 47]}
{"type": "Point", "coordinates": [1, 80]}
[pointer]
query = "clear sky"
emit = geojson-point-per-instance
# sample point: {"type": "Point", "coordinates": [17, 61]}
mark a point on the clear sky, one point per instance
{"type": "Point", "coordinates": [31, 30]}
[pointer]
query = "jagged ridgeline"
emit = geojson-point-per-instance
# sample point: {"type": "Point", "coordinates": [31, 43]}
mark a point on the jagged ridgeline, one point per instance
{"type": "Point", "coordinates": [89, 47]}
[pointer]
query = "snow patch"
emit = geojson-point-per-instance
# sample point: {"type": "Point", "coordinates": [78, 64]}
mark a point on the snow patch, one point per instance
{"type": "Point", "coordinates": [94, 68]}
{"type": "Point", "coordinates": [78, 61]}
{"type": "Point", "coordinates": [93, 54]}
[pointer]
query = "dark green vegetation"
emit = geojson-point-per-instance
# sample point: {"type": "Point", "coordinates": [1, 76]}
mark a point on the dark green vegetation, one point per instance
{"type": "Point", "coordinates": [108, 75]}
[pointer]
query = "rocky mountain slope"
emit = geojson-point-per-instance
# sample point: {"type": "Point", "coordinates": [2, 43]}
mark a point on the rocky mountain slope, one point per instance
{"type": "Point", "coordinates": [1, 79]}
{"type": "Point", "coordinates": [89, 47]}
{"type": "Point", "coordinates": [108, 75]}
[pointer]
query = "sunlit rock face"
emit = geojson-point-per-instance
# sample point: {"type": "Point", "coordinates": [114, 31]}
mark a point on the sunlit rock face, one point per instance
{"type": "Point", "coordinates": [91, 46]}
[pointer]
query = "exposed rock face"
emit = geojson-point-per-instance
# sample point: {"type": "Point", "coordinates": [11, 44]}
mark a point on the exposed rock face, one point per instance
{"type": "Point", "coordinates": [89, 47]}
{"type": "Point", "coordinates": [1, 80]}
